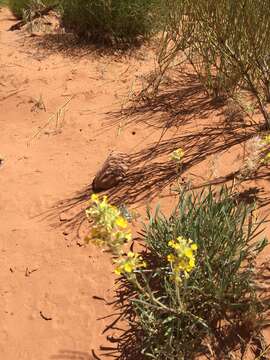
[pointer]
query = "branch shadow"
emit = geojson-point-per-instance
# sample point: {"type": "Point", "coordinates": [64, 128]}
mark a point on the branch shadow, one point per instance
{"type": "Point", "coordinates": [71, 46]}
{"type": "Point", "coordinates": [177, 105]}
{"type": "Point", "coordinates": [150, 170]}
{"type": "Point", "coordinates": [126, 344]}
{"type": "Point", "coordinates": [149, 173]}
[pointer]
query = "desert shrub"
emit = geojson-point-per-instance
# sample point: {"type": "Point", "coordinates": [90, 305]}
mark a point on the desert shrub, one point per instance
{"type": "Point", "coordinates": [20, 7]}
{"type": "Point", "coordinates": [193, 288]}
{"type": "Point", "coordinates": [3, 2]}
{"type": "Point", "coordinates": [17, 7]}
{"type": "Point", "coordinates": [107, 21]}
{"type": "Point", "coordinates": [226, 42]}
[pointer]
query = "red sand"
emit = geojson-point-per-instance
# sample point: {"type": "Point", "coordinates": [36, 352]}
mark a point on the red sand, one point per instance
{"type": "Point", "coordinates": [48, 279]}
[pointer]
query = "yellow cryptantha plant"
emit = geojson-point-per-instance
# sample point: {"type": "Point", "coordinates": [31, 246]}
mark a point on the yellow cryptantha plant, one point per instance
{"type": "Point", "coordinates": [182, 257]}
{"type": "Point", "coordinates": [109, 228]}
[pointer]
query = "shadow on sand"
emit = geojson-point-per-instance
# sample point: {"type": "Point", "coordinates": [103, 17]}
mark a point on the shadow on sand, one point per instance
{"type": "Point", "coordinates": [151, 172]}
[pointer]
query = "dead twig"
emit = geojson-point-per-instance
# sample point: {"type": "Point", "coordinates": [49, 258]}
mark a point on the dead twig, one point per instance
{"type": "Point", "coordinates": [57, 115]}
{"type": "Point", "coordinates": [36, 15]}
{"type": "Point", "coordinates": [29, 272]}
{"type": "Point", "coordinates": [45, 317]}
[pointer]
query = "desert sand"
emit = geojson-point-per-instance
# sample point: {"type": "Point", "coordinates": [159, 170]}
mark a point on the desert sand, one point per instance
{"type": "Point", "coordinates": [60, 116]}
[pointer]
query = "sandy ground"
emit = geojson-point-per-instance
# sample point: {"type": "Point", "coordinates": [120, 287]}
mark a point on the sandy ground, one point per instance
{"type": "Point", "coordinates": [59, 119]}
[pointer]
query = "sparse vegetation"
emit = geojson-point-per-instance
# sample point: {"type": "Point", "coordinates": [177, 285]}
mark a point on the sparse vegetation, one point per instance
{"type": "Point", "coordinates": [188, 287]}
{"type": "Point", "coordinates": [117, 21]}
{"type": "Point", "coordinates": [110, 21]}
{"type": "Point", "coordinates": [20, 7]}
{"type": "Point", "coordinates": [195, 276]}
{"type": "Point", "coordinates": [3, 2]}
{"type": "Point", "coordinates": [226, 43]}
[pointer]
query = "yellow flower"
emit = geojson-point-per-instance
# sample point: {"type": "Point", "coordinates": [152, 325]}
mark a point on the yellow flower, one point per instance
{"type": "Point", "coordinates": [109, 228]}
{"type": "Point", "coordinates": [188, 252]}
{"type": "Point", "coordinates": [177, 154]}
{"type": "Point", "coordinates": [267, 157]}
{"type": "Point", "coordinates": [182, 264]}
{"type": "Point", "coordinates": [171, 243]}
{"type": "Point", "coordinates": [170, 257]}
{"type": "Point", "coordinates": [183, 258]}
{"type": "Point", "coordinates": [127, 265]}
{"type": "Point", "coordinates": [118, 271]}
{"type": "Point", "coordinates": [95, 198]}
{"type": "Point", "coordinates": [121, 222]}
{"type": "Point", "coordinates": [194, 247]}
{"type": "Point", "coordinates": [105, 199]}
{"type": "Point", "coordinates": [266, 139]}
{"type": "Point", "coordinates": [192, 262]}
{"type": "Point", "coordinates": [128, 236]}
{"type": "Point", "coordinates": [174, 245]}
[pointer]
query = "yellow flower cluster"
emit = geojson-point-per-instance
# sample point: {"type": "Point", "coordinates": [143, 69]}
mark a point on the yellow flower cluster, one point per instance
{"type": "Point", "coordinates": [266, 140]}
{"type": "Point", "coordinates": [177, 155]}
{"type": "Point", "coordinates": [182, 259]}
{"type": "Point", "coordinates": [267, 158]}
{"type": "Point", "coordinates": [109, 227]}
{"type": "Point", "coordinates": [127, 265]}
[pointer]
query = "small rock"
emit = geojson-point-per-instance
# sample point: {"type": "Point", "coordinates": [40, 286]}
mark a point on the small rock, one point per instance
{"type": "Point", "coordinates": [112, 172]}
{"type": "Point", "coordinates": [64, 217]}
{"type": "Point", "coordinates": [80, 243]}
